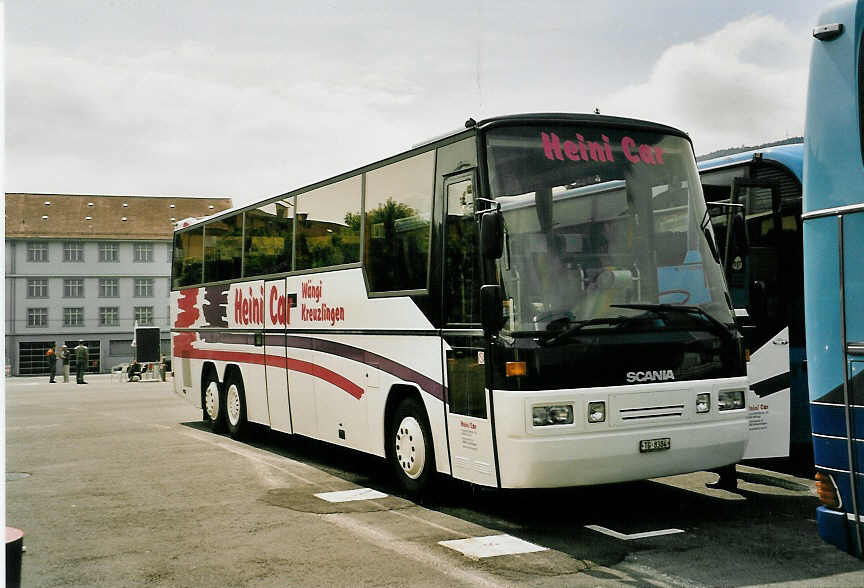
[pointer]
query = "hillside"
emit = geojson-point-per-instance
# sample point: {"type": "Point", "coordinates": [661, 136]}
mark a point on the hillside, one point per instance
{"type": "Point", "coordinates": [733, 150]}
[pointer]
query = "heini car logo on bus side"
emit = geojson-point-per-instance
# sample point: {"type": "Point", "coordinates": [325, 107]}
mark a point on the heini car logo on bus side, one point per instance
{"type": "Point", "coordinates": [652, 376]}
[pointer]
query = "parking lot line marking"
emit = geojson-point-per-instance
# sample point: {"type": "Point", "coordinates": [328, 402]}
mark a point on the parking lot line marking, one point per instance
{"type": "Point", "coordinates": [405, 515]}
{"type": "Point", "coordinates": [23, 427]}
{"type": "Point", "coordinates": [350, 495]}
{"type": "Point", "coordinates": [632, 536]}
{"type": "Point", "coordinates": [491, 546]}
{"type": "Point", "coordinates": [418, 552]}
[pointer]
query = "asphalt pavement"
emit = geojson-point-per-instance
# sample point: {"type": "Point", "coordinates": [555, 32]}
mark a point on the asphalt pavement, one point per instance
{"type": "Point", "coordinates": [121, 484]}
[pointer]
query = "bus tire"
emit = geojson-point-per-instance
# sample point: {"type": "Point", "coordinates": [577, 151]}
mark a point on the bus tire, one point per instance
{"type": "Point", "coordinates": [235, 406]}
{"type": "Point", "coordinates": [213, 398]}
{"type": "Point", "coordinates": [410, 450]}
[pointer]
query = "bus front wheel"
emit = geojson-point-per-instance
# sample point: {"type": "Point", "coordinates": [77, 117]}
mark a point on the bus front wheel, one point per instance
{"type": "Point", "coordinates": [410, 447]}
{"type": "Point", "coordinates": [235, 405]}
{"type": "Point", "coordinates": [214, 404]}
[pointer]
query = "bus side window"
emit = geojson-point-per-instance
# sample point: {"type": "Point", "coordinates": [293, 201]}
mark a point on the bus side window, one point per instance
{"type": "Point", "coordinates": [328, 225]}
{"type": "Point", "coordinates": [397, 217]}
{"type": "Point", "coordinates": [188, 258]}
{"type": "Point", "coordinates": [269, 233]}
{"type": "Point", "coordinates": [461, 258]}
{"type": "Point", "coordinates": [223, 248]}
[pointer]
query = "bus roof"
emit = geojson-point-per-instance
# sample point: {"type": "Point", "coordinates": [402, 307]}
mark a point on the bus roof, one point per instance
{"type": "Point", "coordinates": [573, 118]}
{"type": "Point", "coordinates": [790, 156]}
{"type": "Point", "coordinates": [470, 126]}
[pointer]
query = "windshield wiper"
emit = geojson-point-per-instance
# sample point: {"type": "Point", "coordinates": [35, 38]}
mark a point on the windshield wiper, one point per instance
{"type": "Point", "coordinates": [577, 326]}
{"type": "Point", "coordinates": [717, 326]}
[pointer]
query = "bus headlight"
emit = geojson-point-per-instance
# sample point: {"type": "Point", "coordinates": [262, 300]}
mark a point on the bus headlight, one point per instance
{"type": "Point", "coordinates": [703, 402]}
{"type": "Point", "coordinates": [730, 399]}
{"type": "Point", "coordinates": [596, 412]}
{"type": "Point", "coordinates": [559, 414]}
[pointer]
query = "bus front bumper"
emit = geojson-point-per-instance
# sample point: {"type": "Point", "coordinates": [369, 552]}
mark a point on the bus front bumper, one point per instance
{"type": "Point", "coordinates": [613, 451]}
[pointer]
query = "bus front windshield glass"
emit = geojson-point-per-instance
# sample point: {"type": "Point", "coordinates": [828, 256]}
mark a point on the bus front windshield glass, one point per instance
{"type": "Point", "coordinates": [604, 229]}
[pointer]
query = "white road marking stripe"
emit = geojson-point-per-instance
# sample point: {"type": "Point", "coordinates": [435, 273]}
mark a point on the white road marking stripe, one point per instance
{"type": "Point", "coordinates": [400, 513]}
{"type": "Point", "coordinates": [419, 552]}
{"type": "Point", "coordinates": [23, 427]}
{"type": "Point", "coordinates": [350, 495]}
{"type": "Point", "coordinates": [632, 536]}
{"type": "Point", "coordinates": [491, 546]}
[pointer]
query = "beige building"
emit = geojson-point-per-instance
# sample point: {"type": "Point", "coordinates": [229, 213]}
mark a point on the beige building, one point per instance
{"type": "Point", "coordinates": [88, 267]}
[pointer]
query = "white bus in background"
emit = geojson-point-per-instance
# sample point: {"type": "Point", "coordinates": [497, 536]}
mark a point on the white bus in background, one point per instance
{"type": "Point", "coordinates": [533, 301]}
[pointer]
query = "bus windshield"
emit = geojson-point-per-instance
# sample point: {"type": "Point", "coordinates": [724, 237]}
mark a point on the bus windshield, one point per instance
{"type": "Point", "coordinates": [603, 227]}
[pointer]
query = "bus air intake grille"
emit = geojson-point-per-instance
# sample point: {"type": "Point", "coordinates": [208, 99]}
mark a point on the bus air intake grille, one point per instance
{"type": "Point", "coordinates": [651, 412]}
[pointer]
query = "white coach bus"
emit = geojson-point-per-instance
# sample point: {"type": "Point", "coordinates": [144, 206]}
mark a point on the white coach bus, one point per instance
{"type": "Point", "coordinates": [533, 301]}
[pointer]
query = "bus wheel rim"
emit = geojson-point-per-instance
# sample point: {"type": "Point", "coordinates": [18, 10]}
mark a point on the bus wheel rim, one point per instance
{"type": "Point", "coordinates": [233, 404]}
{"type": "Point", "coordinates": [410, 449]}
{"type": "Point", "coordinates": [211, 400]}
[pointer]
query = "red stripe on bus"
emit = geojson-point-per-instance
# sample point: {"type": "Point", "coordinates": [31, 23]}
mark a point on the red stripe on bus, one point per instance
{"type": "Point", "coordinates": [295, 365]}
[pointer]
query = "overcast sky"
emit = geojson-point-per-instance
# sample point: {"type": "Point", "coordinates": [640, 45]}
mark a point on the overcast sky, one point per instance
{"type": "Point", "coordinates": [251, 99]}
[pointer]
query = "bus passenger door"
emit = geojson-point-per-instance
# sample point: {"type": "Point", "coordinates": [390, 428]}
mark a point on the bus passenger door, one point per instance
{"type": "Point", "coordinates": [278, 307]}
{"type": "Point", "coordinates": [468, 419]}
{"type": "Point", "coordinates": [756, 277]}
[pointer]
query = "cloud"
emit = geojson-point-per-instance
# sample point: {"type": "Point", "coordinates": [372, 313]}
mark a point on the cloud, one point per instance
{"type": "Point", "coordinates": [188, 122]}
{"type": "Point", "coordinates": [744, 84]}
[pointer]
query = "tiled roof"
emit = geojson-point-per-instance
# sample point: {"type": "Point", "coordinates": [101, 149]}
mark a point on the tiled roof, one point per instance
{"type": "Point", "coordinates": [101, 217]}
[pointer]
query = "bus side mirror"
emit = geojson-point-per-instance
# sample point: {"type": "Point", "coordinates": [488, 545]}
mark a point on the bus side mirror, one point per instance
{"type": "Point", "coordinates": [491, 235]}
{"type": "Point", "coordinates": [491, 309]}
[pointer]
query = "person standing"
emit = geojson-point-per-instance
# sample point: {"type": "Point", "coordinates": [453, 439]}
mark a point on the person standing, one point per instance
{"type": "Point", "coordinates": [82, 356]}
{"type": "Point", "coordinates": [52, 363]}
{"type": "Point", "coordinates": [66, 356]}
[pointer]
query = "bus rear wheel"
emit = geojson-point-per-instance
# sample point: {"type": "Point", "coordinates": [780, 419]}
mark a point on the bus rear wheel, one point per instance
{"type": "Point", "coordinates": [235, 407]}
{"type": "Point", "coordinates": [214, 404]}
{"type": "Point", "coordinates": [410, 447]}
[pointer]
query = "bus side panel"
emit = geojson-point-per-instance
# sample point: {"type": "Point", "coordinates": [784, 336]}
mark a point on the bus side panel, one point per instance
{"type": "Point", "coordinates": [274, 351]}
{"type": "Point", "coordinates": [302, 387]}
{"type": "Point", "coordinates": [244, 309]}
{"type": "Point", "coordinates": [404, 360]}
{"type": "Point", "coordinates": [255, 387]}
{"type": "Point", "coordinates": [186, 313]}
{"type": "Point", "coordinates": [340, 399]}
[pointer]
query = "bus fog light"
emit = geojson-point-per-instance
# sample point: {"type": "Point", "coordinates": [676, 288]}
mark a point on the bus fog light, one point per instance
{"type": "Point", "coordinates": [730, 399]}
{"type": "Point", "coordinates": [703, 402]}
{"type": "Point", "coordinates": [596, 412]}
{"type": "Point", "coordinates": [552, 415]}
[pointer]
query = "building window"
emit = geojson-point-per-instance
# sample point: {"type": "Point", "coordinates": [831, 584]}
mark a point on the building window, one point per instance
{"type": "Point", "coordinates": [109, 252]}
{"type": "Point", "coordinates": [37, 317]}
{"type": "Point", "coordinates": [37, 288]}
{"type": "Point", "coordinates": [37, 251]}
{"type": "Point", "coordinates": [144, 316]}
{"type": "Point", "coordinates": [143, 287]}
{"type": "Point", "coordinates": [73, 288]}
{"type": "Point", "coordinates": [109, 288]}
{"type": "Point", "coordinates": [73, 317]}
{"type": "Point", "coordinates": [73, 251]}
{"type": "Point", "coordinates": [142, 252]}
{"type": "Point", "coordinates": [109, 316]}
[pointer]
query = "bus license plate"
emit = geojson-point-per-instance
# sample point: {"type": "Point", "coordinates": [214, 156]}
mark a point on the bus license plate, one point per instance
{"type": "Point", "coordinates": [647, 445]}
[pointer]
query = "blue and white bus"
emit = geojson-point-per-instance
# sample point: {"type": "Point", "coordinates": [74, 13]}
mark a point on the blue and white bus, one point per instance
{"type": "Point", "coordinates": [764, 269]}
{"type": "Point", "coordinates": [833, 270]}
